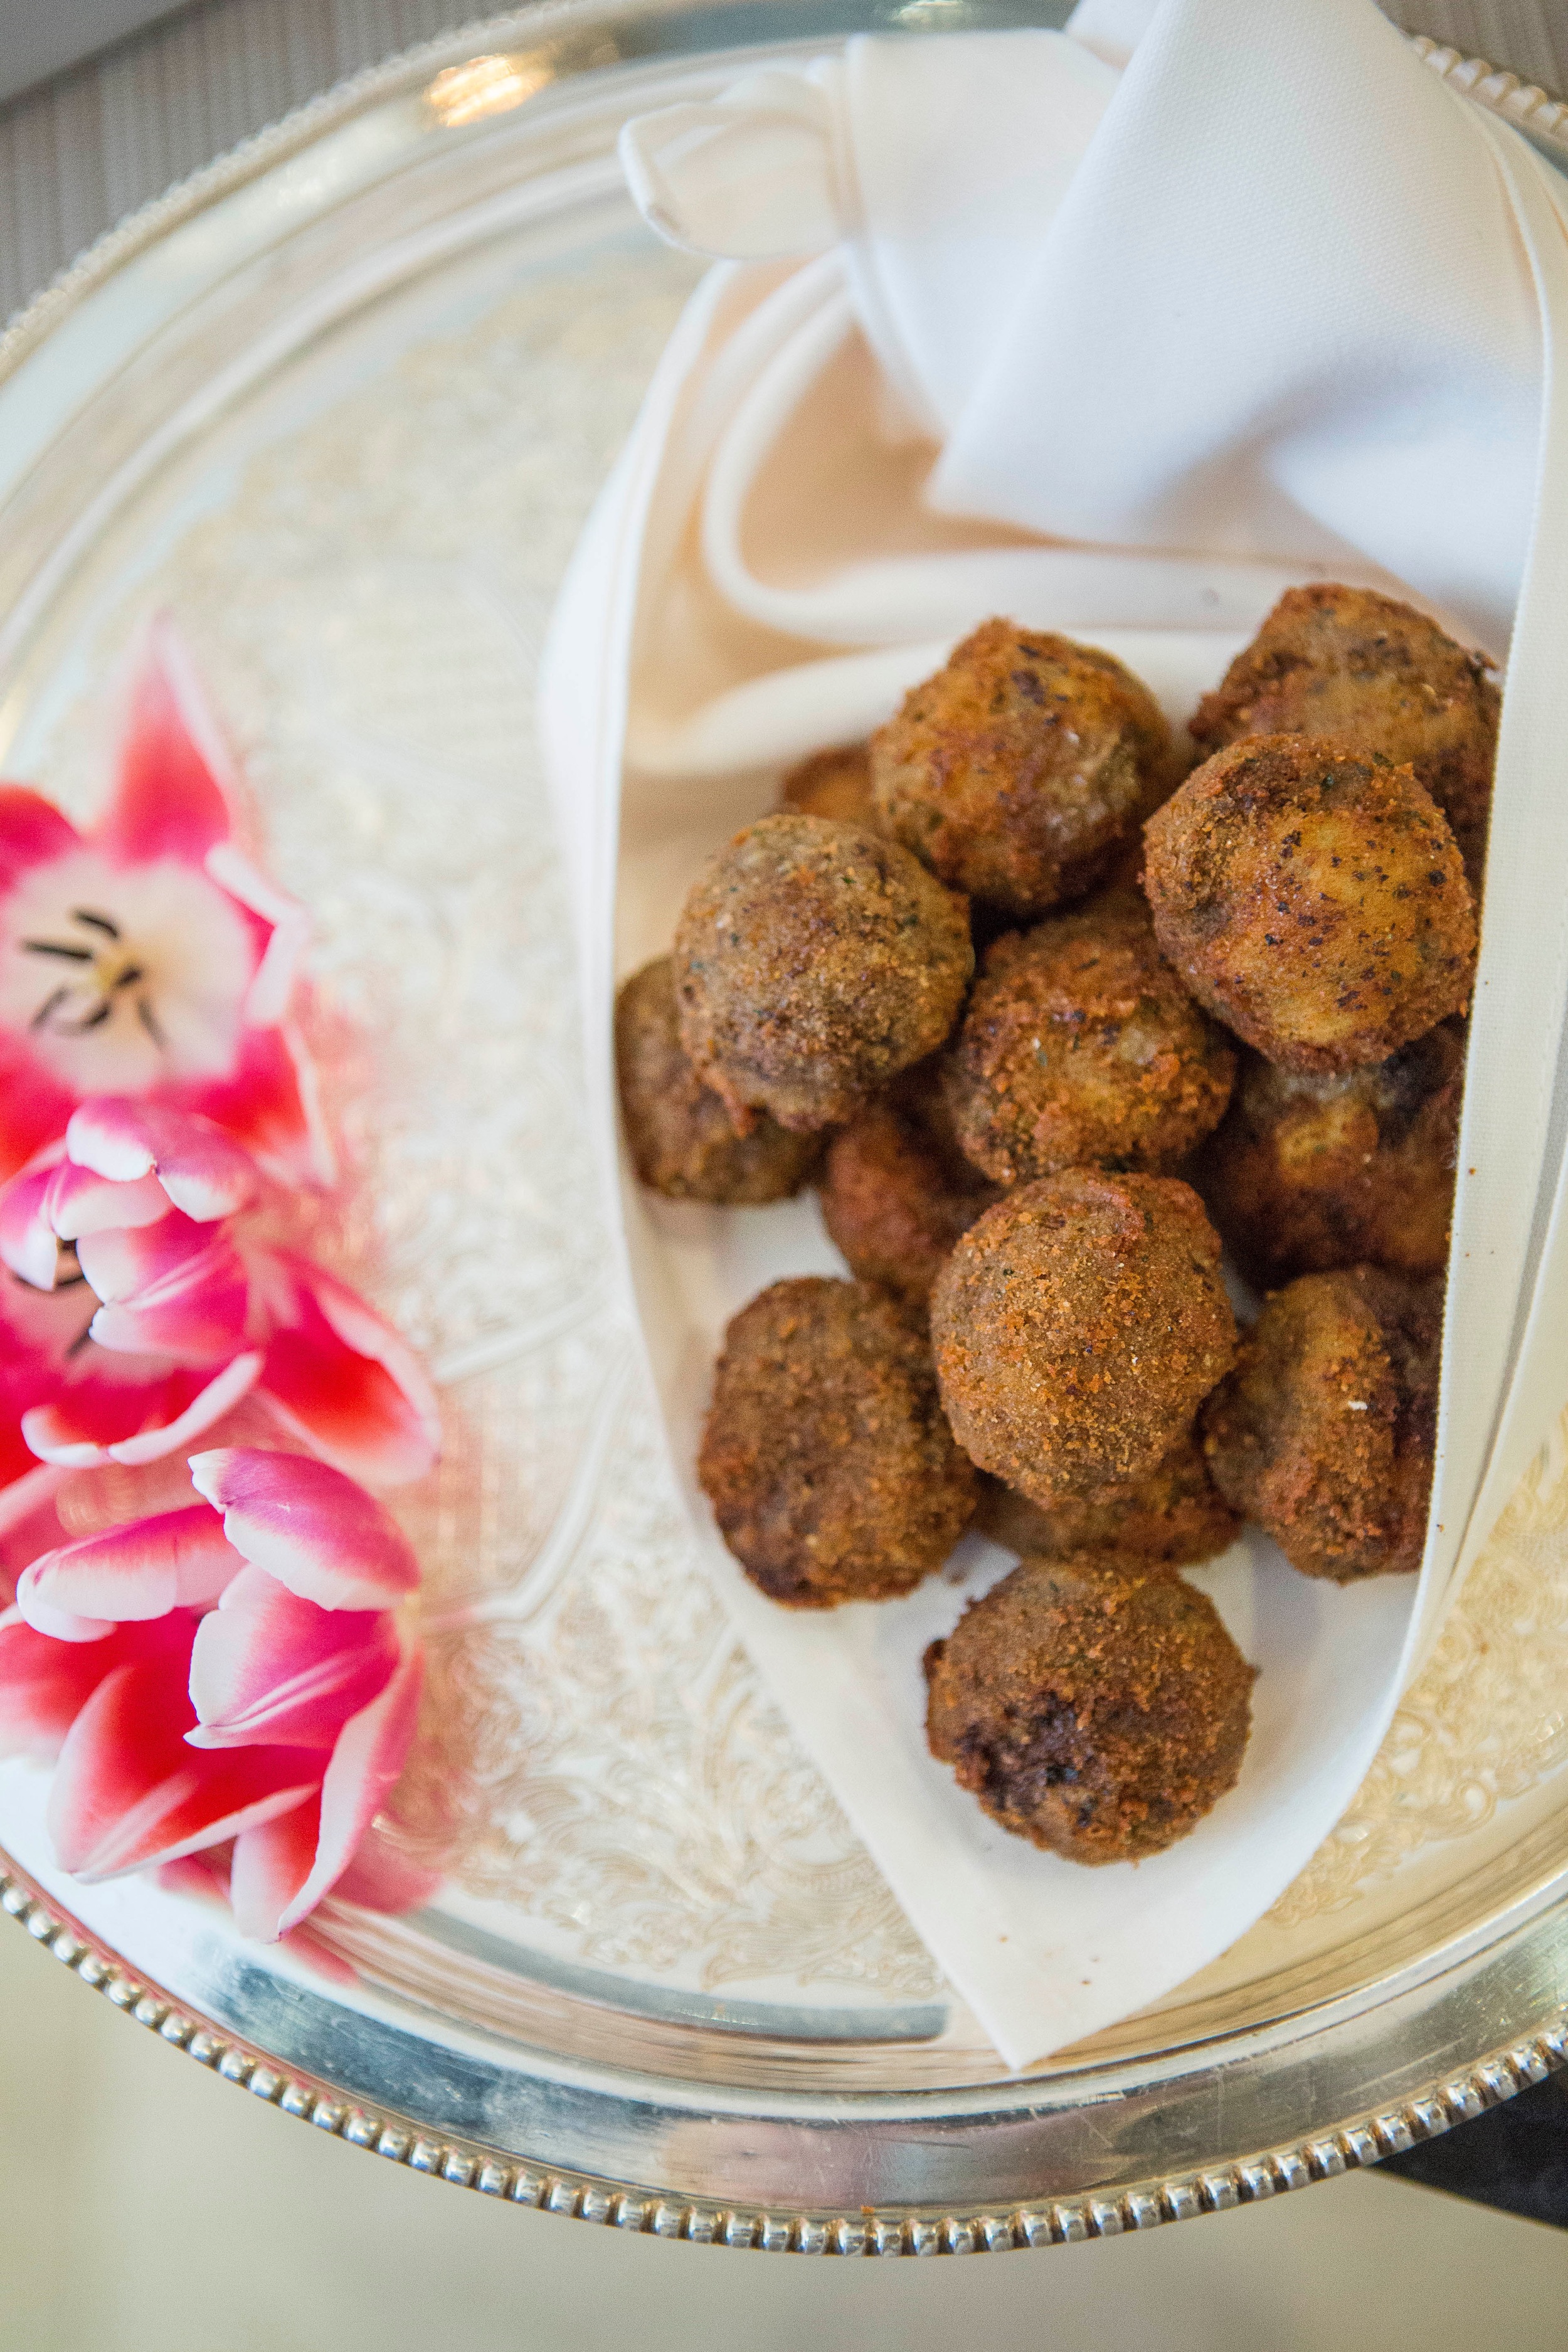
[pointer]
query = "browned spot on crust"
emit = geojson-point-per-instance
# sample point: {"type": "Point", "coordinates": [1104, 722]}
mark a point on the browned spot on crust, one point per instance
{"type": "Point", "coordinates": [1081, 1049]}
{"type": "Point", "coordinates": [1021, 770]}
{"type": "Point", "coordinates": [1078, 1326]}
{"type": "Point", "coordinates": [813, 961]}
{"type": "Point", "coordinates": [1093, 1707]}
{"type": "Point", "coordinates": [682, 1141]}
{"type": "Point", "coordinates": [832, 1472]}
{"type": "Point", "coordinates": [1309, 1173]}
{"type": "Point", "coordinates": [897, 1191]}
{"type": "Point", "coordinates": [1369, 675]}
{"type": "Point", "coordinates": [1175, 1517]}
{"type": "Point", "coordinates": [1324, 1432]}
{"type": "Point", "coordinates": [835, 783]}
{"type": "Point", "coordinates": [1315, 901]}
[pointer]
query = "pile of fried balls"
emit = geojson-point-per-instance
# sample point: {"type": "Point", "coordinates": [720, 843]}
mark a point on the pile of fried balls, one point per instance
{"type": "Point", "coordinates": [1053, 1018]}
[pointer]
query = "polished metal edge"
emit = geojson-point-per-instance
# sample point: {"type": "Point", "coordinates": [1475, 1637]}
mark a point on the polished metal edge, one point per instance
{"type": "Point", "coordinates": [869, 2230]}
{"type": "Point", "coordinates": [1542, 118]}
{"type": "Point", "coordinates": [772, 2020]}
{"type": "Point", "coordinates": [240, 164]}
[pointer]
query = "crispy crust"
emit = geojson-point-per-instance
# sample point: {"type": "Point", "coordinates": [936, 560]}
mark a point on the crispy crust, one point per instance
{"type": "Point", "coordinates": [836, 783]}
{"type": "Point", "coordinates": [1092, 1707]}
{"type": "Point", "coordinates": [1305, 1175]}
{"type": "Point", "coordinates": [1176, 1517]}
{"type": "Point", "coordinates": [1077, 1327]}
{"type": "Point", "coordinates": [831, 1471]}
{"type": "Point", "coordinates": [1316, 902]}
{"type": "Point", "coordinates": [1081, 1049]}
{"type": "Point", "coordinates": [1369, 675]}
{"type": "Point", "coordinates": [897, 1191]}
{"type": "Point", "coordinates": [813, 961]}
{"type": "Point", "coordinates": [1324, 1432]}
{"type": "Point", "coordinates": [1021, 770]}
{"type": "Point", "coordinates": [681, 1138]}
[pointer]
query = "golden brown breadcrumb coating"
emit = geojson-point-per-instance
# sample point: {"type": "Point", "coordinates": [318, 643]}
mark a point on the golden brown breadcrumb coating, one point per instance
{"type": "Point", "coordinates": [1176, 1517]}
{"type": "Point", "coordinates": [831, 1470]}
{"type": "Point", "coordinates": [1093, 1706]}
{"type": "Point", "coordinates": [1078, 1326]}
{"type": "Point", "coordinates": [896, 1190]}
{"type": "Point", "coordinates": [1324, 1432]}
{"type": "Point", "coordinates": [835, 783]}
{"type": "Point", "coordinates": [813, 961]}
{"type": "Point", "coordinates": [1081, 1049]}
{"type": "Point", "coordinates": [1371, 675]}
{"type": "Point", "coordinates": [1308, 1174]}
{"type": "Point", "coordinates": [1315, 901]}
{"type": "Point", "coordinates": [1022, 769]}
{"type": "Point", "coordinates": [682, 1141]}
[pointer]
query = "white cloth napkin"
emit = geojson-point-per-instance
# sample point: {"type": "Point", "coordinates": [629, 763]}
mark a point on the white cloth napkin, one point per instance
{"type": "Point", "coordinates": [1005, 328]}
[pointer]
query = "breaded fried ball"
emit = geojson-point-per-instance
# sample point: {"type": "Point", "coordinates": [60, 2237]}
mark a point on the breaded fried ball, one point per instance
{"type": "Point", "coordinates": [1077, 1328]}
{"type": "Point", "coordinates": [1096, 1707]}
{"type": "Point", "coordinates": [1175, 1517]}
{"type": "Point", "coordinates": [1314, 900]}
{"type": "Point", "coordinates": [896, 1190]}
{"type": "Point", "coordinates": [1081, 1049]}
{"type": "Point", "coordinates": [1020, 771]}
{"type": "Point", "coordinates": [813, 961]}
{"type": "Point", "coordinates": [833, 783]}
{"type": "Point", "coordinates": [831, 1470]}
{"type": "Point", "coordinates": [1368, 674]}
{"type": "Point", "coordinates": [1308, 1174]}
{"type": "Point", "coordinates": [1324, 1432]}
{"type": "Point", "coordinates": [682, 1141]}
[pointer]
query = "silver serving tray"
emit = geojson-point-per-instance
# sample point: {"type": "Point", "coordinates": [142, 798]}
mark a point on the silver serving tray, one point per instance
{"type": "Point", "coordinates": [342, 401]}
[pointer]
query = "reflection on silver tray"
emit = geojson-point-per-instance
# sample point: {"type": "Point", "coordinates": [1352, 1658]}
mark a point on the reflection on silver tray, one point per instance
{"type": "Point", "coordinates": [343, 405]}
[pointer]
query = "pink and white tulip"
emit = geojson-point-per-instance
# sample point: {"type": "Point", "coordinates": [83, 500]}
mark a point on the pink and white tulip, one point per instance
{"type": "Point", "coordinates": [230, 1671]}
{"type": "Point", "coordinates": [146, 956]}
{"type": "Point", "coordinates": [147, 1304]}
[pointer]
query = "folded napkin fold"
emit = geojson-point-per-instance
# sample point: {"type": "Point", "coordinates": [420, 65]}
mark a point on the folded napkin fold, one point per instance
{"type": "Point", "coordinates": [1003, 327]}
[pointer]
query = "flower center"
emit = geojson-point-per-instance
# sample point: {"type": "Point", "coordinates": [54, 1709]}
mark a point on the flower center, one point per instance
{"type": "Point", "coordinates": [99, 969]}
{"type": "Point", "coordinates": [124, 977]}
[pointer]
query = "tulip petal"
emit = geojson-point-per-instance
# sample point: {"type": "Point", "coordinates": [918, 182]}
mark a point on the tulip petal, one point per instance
{"type": "Point", "coordinates": [381, 1877]}
{"type": "Point", "coordinates": [372, 1751]}
{"type": "Point", "coordinates": [342, 1380]}
{"type": "Point", "coordinates": [168, 800]}
{"type": "Point", "coordinates": [308, 1526]}
{"type": "Point", "coordinates": [32, 832]}
{"type": "Point", "coordinates": [267, 1666]}
{"type": "Point", "coordinates": [27, 1242]}
{"type": "Point", "coordinates": [176, 1289]}
{"type": "Point", "coordinates": [125, 1265]}
{"type": "Point", "coordinates": [173, 1560]}
{"type": "Point", "coordinates": [273, 984]}
{"type": "Point", "coordinates": [129, 1791]}
{"type": "Point", "coordinates": [269, 1103]}
{"type": "Point", "coordinates": [59, 1624]}
{"type": "Point", "coordinates": [96, 1423]}
{"type": "Point", "coordinates": [78, 1201]}
{"type": "Point", "coordinates": [204, 1172]}
{"type": "Point", "coordinates": [45, 1684]}
{"type": "Point", "coordinates": [34, 1106]}
{"type": "Point", "coordinates": [21, 1496]}
{"type": "Point", "coordinates": [272, 1863]}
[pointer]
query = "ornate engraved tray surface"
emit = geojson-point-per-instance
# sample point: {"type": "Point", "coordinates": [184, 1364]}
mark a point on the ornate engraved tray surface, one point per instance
{"type": "Point", "coordinates": [341, 404]}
